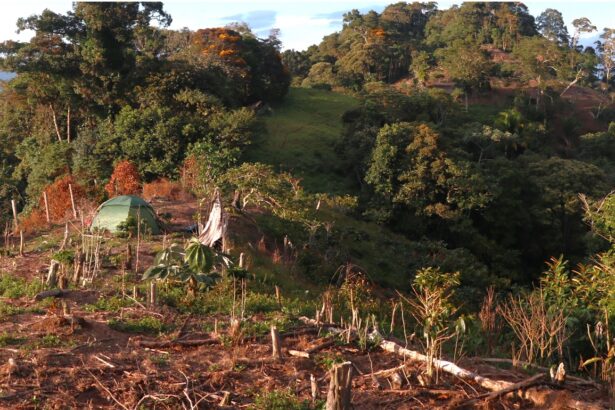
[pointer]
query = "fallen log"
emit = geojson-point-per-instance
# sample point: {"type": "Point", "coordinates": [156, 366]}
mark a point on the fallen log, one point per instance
{"type": "Point", "coordinates": [299, 353]}
{"type": "Point", "coordinates": [532, 381]}
{"type": "Point", "coordinates": [386, 372]}
{"type": "Point", "coordinates": [569, 378]}
{"type": "Point", "coordinates": [54, 293]}
{"type": "Point", "coordinates": [181, 342]}
{"type": "Point", "coordinates": [536, 396]}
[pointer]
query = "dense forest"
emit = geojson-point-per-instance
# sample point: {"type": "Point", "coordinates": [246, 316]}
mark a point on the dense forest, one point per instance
{"type": "Point", "coordinates": [476, 152]}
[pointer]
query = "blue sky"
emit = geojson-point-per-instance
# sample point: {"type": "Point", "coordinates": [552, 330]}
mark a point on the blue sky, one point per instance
{"type": "Point", "coordinates": [302, 23]}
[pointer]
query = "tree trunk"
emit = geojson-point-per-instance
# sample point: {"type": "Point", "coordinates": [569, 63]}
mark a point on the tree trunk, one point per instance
{"type": "Point", "coordinates": [339, 395]}
{"type": "Point", "coordinates": [68, 125]}
{"type": "Point", "coordinates": [55, 123]}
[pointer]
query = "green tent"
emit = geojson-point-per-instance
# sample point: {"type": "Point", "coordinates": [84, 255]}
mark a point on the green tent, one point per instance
{"type": "Point", "coordinates": [117, 210]}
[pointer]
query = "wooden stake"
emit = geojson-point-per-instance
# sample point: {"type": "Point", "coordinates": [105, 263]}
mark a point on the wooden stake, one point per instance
{"type": "Point", "coordinates": [135, 292]}
{"type": "Point", "coordinates": [241, 261]}
{"type": "Point", "coordinates": [20, 242]}
{"type": "Point", "coordinates": [276, 350]}
{"type": "Point", "coordinates": [72, 200]}
{"type": "Point", "coordinates": [138, 240]}
{"type": "Point", "coordinates": [339, 395]}
{"type": "Point", "coordinates": [152, 293]}
{"type": "Point", "coordinates": [14, 207]}
{"type": "Point", "coordinates": [278, 296]}
{"type": "Point", "coordinates": [226, 399]}
{"type": "Point", "coordinates": [68, 125]}
{"type": "Point", "coordinates": [46, 206]}
{"type": "Point", "coordinates": [314, 387]}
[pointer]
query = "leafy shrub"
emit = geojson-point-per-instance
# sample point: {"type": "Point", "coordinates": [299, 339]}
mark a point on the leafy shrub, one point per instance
{"type": "Point", "coordinates": [148, 324]}
{"type": "Point", "coordinates": [112, 304]}
{"type": "Point", "coordinates": [49, 341]}
{"type": "Point", "coordinates": [279, 400]}
{"type": "Point", "coordinates": [16, 287]}
{"type": "Point", "coordinates": [10, 340]}
{"type": "Point", "coordinates": [7, 309]}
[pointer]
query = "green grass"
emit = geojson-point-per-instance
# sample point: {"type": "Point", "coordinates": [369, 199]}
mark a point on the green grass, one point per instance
{"type": "Point", "coordinates": [16, 287]}
{"type": "Point", "coordinates": [10, 340]}
{"type": "Point", "coordinates": [300, 137]}
{"type": "Point", "coordinates": [110, 304]}
{"type": "Point", "coordinates": [148, 325]}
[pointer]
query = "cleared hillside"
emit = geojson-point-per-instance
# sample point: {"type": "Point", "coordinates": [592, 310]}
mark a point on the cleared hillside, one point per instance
{"type": "Point", "coordinates": [299, 136]}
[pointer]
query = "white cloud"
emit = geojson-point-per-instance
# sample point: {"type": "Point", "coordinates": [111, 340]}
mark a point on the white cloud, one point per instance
{"type": "Point", "coordinates": [294, 27]}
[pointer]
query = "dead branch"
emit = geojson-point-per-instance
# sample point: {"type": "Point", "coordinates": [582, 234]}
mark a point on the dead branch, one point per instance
{"type": "Point", "coordinates": [532, 381]}
{"type": "Point", "coordinates": [518, 363]}
{"type": "Point", "coordinates": [176, 342]}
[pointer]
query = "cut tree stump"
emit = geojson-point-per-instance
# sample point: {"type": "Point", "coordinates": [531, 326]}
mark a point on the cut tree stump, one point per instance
{"type": "Point", "coordinates": [340, 387]}
{"type": "Point", "coordinates": [276, 344]}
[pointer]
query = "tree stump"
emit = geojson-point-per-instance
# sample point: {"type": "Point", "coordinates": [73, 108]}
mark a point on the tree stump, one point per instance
{"type": "Point", "coordinates": [339, 395]}
{"type": "Point", "coordinates": [52, 275]}
{"type": "Point", "coordinates": [314, 388]}
{"type": "Point", "coordinates": [276, 345]}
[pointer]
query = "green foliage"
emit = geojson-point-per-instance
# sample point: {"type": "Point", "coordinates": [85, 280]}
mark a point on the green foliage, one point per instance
{"type": "Point", "coordinates": [149, 325]}
{"type": "Point", "coordinates": [551, 25]}
{"type": "Point", "coordinates": [16, 287]}
{"type": "Point", "coordinates": [49, 341]}
{"type": "Point", "coordinates": [7, 339]}
{"type": "Point", "coordinates": [467, 65]}
{"type": "Point", "coordinates": [109, 304]}
{"type": "Point", "coordinates": [409, 167]}
{"type": "Point", "coordinates": [195, 264]}
{"type": "Point", "coordinates": [280, 400]}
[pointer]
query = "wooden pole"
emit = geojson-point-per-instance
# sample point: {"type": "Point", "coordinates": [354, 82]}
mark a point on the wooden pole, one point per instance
{"type": "Point", "coordinates": [72, 200]}
{"type": "Point", "coordinates": [314, 387]}
{"type": "Point", "coordinates": [14, 207]}
{"type": "Point", "coordinates": [68, 125]}
{"type": "Point", "coordinates": [339, 395]}
{"type": "Point", "coordinates": [20, 242]}
{"type": "Point", "coordinates": [138, 240]}
{"type": "Point", "coordinates": [276, 350]}
{"type": "Point", "coordinates": [152, 293]}
{"type": "Point", "coordinates": [46, 206]}
{"type": "Point", "coordinates": [278, 296]}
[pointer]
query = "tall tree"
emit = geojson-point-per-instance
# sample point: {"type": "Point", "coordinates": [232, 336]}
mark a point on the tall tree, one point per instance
{"type": "Point", "coordinates": [607, 52]}
{"type": "Point", "coordinates": [581, 25]}
{"type": "Point", "coordinates": [551, 25]}
{"type": "Point", "coordinates": [467, 65]}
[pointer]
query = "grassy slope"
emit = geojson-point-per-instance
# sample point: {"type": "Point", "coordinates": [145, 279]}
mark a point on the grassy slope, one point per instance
{"type": "Point", "coordinates": [300, 137]}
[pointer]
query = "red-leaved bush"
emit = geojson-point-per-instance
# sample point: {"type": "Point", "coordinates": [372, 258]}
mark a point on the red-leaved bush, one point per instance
{"type": "Point", "coordinates": [58, 201]}
{"type": "Point", "coordinates": [125, 180]}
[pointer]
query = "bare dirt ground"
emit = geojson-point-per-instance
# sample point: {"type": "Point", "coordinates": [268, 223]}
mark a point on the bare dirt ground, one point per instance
{"type": "Point", "coordinates": [98, 367]}
{"type": "Point", "coordinates": [60, 353]}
